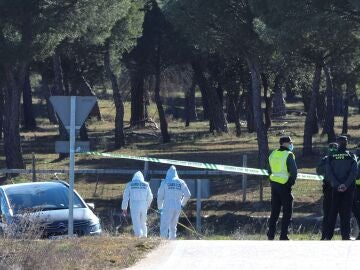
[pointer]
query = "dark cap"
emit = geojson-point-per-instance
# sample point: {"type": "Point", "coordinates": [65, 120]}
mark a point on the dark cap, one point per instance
{"type": "Point", "coordinates": [333, 145]}
{"type": "Point", "coordinates": [342, 139]}
{"type": "Point", "coordinates": [285, 139]}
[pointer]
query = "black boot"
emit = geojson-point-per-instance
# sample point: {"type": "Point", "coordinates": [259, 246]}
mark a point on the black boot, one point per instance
{"type": "Point", "coordinates": [270, 236]}
{"type": "Point", "coordinates": [284, 237]}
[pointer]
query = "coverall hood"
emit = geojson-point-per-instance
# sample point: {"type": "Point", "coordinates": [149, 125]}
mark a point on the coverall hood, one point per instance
{"type": "Point", "coordinates": [138, 176]}
{"type": "Point", "coordinates": [171, 174]}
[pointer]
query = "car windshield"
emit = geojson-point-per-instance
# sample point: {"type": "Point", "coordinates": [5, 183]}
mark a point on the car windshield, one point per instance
{"type": "Point", "coordinates": [40, 198]}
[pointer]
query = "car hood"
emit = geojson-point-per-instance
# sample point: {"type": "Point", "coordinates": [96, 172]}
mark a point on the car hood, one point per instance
{"type": "Point", "coordinates": [60, 215]}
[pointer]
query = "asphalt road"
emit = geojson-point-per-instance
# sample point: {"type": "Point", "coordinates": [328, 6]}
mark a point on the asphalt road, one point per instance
{"type": "Point", "coordinates": [278, 255]}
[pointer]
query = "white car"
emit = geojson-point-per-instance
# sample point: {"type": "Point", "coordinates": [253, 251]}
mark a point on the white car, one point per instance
{"type": "Point", "coordinates": [47, 205]}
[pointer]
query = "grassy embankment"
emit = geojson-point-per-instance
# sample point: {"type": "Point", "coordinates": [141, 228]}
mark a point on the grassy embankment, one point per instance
{"type": "Point", "coordinates": [94, 253]}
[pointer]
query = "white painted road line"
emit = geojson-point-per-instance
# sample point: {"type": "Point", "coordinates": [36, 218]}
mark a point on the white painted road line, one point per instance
{"type": "Point", "coordinates": [254, 255]}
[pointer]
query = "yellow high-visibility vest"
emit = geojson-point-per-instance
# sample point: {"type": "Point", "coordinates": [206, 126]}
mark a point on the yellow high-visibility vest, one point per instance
{"type": "Point", "coordinates": [279, 170]}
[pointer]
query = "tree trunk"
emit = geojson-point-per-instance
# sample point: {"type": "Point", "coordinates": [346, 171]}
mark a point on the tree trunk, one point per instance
{"type": "Point", "coordinates": [220, 94]}
{"type": "Point", "coordinates": [230, 106]}
{"type": "Point", "coordinates": [1, 110]}
{"type": "Point", "coordinates": [289, 89]}
{"type": "Point", "coordinates": [12, 143]}
{"type": "Point", "coordinates": [119, 104]}
{"type": "Point", "coordinates": [45, 89]}
{"type": "Point", "coordinates": [311, 118]}
{"type": "Point", "coordinates": [205, 103]}
{"type": "Point", "coordinates": [190, 104]}
{"type": "Point", "coordinates": [163, 122]}
{"type": "Point", "coordinates": [329, 117]}
{"type": "Point", "coordinates": [83, 133]}
{"type": "Point", "coordinates": [138, 116]}
{"type": "Point", "coordinates": [204, 98]}
{"type": "Point", "coordinates": [85, 89]}
{"type": "Point", "coordinates": [237, 116]}
{"type": "Point", "coordinates": [279, 107]}
{"type": "Point", "coordinates": [306, 99]}
{"type": "Point", "coordinates": [147, 104]}
{"type": "Point", "coordinates": [233, 110]}
{"type": "Point", "coordinates": [58, 90]}
{"type": "Point", "coordinates": [320, 108]}
{"type": "Point", "coordinates": [216, 115]}
{"type": "Point", "coordinates": [245, 102]}
{"type": "Point", "coordinates": [237, 121]}
{"type": "Point", "coordinates": [268, 110]}
{"type": "Point", "coordinates": [268, 101]}
{"type": "Point", "coordinates": [29, 122]}
{"type": "Point", "coordinates": [103, 86]}
{"type": "Point", "coordinates": [67, 75]}
{"type": "Point", "coordinates": [338, 96]}
{"type": "Point", "coordinates": [263, 147]}
{"type": "Point", "coordinates": [250, 112]}
{"type": "Point", "coordinates": [350, 86]}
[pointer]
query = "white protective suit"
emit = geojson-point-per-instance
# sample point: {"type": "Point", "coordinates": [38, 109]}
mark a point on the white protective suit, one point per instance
{"type": "Point", "coordinates": [139, 193]}
{"type": "Point", "coordinates": [173, 194]}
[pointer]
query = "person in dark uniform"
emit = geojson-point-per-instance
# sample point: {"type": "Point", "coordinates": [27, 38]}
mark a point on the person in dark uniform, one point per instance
{"type": "Point", "coordinates": [326, 187]}
{"type": "Point", "coordinates": [341, 170]}
{"type": "Point", "coordinates": [283, 173]}
{"type": "Point", "coordinates": [356, 202]}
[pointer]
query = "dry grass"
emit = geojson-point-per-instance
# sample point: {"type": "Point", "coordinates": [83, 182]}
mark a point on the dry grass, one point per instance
{"type": "Point", "coordinates": [79, 253]}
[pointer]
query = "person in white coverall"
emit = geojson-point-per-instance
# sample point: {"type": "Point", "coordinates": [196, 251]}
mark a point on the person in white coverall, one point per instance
{"type": "Point", "coordinates": [173, 194]}
{"type": "Point", "coordinates": [139, 193]}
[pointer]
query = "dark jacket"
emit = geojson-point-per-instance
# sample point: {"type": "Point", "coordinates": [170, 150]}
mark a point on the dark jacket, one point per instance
{"type": "Point", "coordinates": [341, 168]}
{"type": "Point", "coordinates": [291, 166]}
{"type": "Point", "coordinates": [321, 168]}
{"type": "Point", "coordinates": [357, 154]}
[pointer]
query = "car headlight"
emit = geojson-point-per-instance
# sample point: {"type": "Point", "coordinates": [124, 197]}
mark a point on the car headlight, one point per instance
{"type": "Point", "coordinates": [95, 227]}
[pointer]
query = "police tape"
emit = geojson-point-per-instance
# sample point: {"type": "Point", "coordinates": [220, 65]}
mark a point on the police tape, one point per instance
{"type": "Point", "coordinates": [201, 165]}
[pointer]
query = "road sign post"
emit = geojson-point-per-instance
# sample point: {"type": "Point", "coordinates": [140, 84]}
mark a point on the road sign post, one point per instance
{"type": "Point", "coordinates": [72, 112]}
{"type": "Point", "coordinates": [198, 205]}
{"type": "Point", "coordinates": [72, 166]}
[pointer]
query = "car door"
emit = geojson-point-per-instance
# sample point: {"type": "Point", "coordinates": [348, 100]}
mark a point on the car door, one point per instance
{"type": "Point", "coordinates": [3, 212]}
{"type": "Point", "coordinates": [4, 208]}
